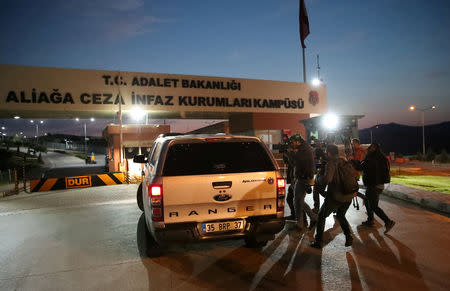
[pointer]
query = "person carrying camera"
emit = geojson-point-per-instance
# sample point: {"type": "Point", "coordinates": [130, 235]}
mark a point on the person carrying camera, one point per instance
{"type": "Point", "coordinates": [304, 173]}
{"type": "Point", "coordinates": [288, 158]}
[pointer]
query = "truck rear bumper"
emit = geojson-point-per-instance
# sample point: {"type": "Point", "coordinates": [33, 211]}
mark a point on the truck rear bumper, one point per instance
{"type": "Point", "coordinates": [263, 227]}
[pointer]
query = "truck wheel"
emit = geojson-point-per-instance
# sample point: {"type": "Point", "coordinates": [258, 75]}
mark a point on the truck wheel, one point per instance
{"type": "Point", "coordinates": [252, 242]}
{"type": "Point", "coordinates": [139, 198]}
{"type": "Point", "coordinates": [147, 246]}
{"type": "Point", "coordinates": [153, 249]}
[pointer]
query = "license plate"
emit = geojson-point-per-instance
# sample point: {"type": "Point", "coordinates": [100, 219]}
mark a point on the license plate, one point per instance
{"type": "Point", "coordinates": [222, 226]}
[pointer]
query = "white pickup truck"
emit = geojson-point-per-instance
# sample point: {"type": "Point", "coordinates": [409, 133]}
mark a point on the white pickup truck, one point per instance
{"type": "Point", "coordinates": [201, 187]}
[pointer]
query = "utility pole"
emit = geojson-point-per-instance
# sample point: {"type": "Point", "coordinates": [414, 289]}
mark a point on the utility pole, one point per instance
{"type": "Point", "coordinates": [318, 68]}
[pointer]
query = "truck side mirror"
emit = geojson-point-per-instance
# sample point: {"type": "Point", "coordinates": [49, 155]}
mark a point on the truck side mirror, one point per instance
{"type": "Point", "coordinates": [139, 159]}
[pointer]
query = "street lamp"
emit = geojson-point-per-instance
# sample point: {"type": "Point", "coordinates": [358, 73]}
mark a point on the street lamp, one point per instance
{"type": "Point", "coordinates": [422, 110]}
{"type": "Point", "coordinates": [37, 127]}
{"type": "Point", "coordinates": [85, 138]}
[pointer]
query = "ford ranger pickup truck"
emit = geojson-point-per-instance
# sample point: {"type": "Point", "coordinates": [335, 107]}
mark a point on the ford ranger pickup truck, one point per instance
{"type": "Point", "coordinates": [203, 187]}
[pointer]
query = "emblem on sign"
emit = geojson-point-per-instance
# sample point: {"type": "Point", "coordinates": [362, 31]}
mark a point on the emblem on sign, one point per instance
{"type": "Point", "coordinates": [313, 97]}
{"type": "Point", "coordinates": [270, 180]}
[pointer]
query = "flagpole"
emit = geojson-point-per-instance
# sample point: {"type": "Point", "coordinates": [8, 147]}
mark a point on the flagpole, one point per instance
{"type": "Point", "coordinates": [304, 67]}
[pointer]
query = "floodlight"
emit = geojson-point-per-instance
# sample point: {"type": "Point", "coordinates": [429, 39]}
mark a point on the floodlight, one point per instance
{"type": "Point", "coordinates": [316, 82]}
{"type": "Point", "coordinates": [330, 121]}
{"type": "Point", "coordinates": [137, 113]}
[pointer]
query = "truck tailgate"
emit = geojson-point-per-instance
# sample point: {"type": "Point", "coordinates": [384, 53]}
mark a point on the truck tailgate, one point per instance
{"type": "Point", "coordinates": [216, 197]}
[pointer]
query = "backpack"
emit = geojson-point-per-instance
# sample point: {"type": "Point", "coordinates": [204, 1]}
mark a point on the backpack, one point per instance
{"type": "Point", "coordinates": [347, 181]}
{"type": "Point", "coordinates": [385, 171]}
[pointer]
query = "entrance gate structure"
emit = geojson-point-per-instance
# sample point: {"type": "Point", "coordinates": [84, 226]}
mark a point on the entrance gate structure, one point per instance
{"type": "Point", "coordinates": [253, 107]}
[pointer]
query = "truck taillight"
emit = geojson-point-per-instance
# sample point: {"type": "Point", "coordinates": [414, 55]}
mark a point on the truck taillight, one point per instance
{"type": "Point", "coordinates": [281, 192]}
{"type": "Point", "coordinates": [155, 193]}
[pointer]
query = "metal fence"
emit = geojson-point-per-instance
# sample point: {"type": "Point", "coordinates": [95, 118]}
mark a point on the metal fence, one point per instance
{"type": "Point", "coordinates": [10, 181]}
{"type": "Point", "coordinates": [76, 147]}
{"type": "Point", "coordinates": [6, 177]}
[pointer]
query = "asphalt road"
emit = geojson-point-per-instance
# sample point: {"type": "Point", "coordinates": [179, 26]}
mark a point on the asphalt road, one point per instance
{"type": "Point", "coordinates": [92, 239]}
{"type": "Point", "coordinates": [58, 165]}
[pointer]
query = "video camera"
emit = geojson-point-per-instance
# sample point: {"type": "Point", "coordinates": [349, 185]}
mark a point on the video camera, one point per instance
{"type": "Point", "coordinates": [285, 143]}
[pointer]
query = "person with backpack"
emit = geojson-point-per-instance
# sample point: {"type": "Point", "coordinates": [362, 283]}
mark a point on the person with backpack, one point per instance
{"type": "Point", "coordinates": [375, 168]}
{"type": "Point", "coordinates": [342, 184]}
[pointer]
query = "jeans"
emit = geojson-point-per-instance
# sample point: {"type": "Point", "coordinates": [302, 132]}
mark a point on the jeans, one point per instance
{"type": "Point", "coordinates": [290, 199]}
{"type": "Point", "coordinates": [373, 197]}
{"type": "Point", "coordinates": [300, 205]}
{"type": "Point", "coordinates": [327, 208]}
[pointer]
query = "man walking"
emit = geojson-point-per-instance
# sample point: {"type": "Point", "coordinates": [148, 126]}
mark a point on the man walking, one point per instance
{"type": "Point", "coordinates": [358, 154]}
{"type": "Point", "coordinates": [288, 158]}
{"type": "Point", "coordinates": [331, 202]}
{"type": "Point", "coordinates": [319, 161]}
{"type": "Point", "coordinates": [375, 167]}
{"type": "Point", "coordinates": [304, 172]}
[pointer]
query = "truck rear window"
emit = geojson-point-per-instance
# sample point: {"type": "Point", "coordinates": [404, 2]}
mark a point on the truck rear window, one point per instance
{"type": "Point", "coordinates": [215, 158]}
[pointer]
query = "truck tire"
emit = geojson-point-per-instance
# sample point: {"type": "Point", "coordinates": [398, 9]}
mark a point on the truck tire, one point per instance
{"type": "Point", "coordinates": [139, 198]}
{"type": "Point", "coordinates": [252, 242]}
{"type": "Point", "coordinates": [147, 246]}
{"type": "Point", "coordinates": [153, 249]}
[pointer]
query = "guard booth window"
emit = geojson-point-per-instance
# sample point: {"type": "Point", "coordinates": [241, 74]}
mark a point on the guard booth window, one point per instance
{"type": "Point", "coordinates": [131, 152]}
{"type": "Point", "coordinates": [145, 150]}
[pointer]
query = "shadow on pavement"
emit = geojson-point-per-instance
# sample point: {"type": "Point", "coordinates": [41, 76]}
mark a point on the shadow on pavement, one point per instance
{"type": "Point", "coordinates": [287, 262]}
{"type": "Point", "coordinates": [399, 272]}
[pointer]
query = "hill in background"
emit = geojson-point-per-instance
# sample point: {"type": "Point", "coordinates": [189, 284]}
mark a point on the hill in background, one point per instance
{"type": "Point", "coordinates": [408, 139]}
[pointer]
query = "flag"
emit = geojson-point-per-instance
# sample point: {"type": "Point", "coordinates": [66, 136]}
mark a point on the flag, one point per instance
{"type": "Point", "coordinates": [304, 22]}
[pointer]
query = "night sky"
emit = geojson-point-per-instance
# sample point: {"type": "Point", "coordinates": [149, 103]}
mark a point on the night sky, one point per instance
{"type": "Point", "coordinates": [377, 57]}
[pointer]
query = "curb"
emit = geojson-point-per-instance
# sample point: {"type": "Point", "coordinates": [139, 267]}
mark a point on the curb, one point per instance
{"type": "Point", "coordinates": [424, 202]}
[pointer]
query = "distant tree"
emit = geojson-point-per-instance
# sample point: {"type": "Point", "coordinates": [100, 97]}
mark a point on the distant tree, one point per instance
{"type": "Point", "coordinates": [430, 155]}
{"type": "Point", "coordinates": [418, 157]}
{"type": "Point", "coordinates": [443, 157]}
{"type": "Point", "coordinates": [17, 141]}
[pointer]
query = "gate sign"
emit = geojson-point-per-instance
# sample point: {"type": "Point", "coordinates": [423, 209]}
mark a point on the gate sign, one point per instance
{"type": "Point", "coordinates": [78, 182]}
{"type": "Point", "coordinates": [39, 89]}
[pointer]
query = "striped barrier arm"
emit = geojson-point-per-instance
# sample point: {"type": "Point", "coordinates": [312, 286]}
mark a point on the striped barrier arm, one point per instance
{"type": "Point", "coordinates": [48, 184]}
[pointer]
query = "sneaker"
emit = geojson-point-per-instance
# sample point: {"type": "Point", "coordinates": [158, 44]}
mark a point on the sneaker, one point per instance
{"type": "Point", "coordinates": [316, 244]}
{"type": "Point", "coordinates": [368, 223]}
{"type": "Point", "coordinates": [348, 241]}
{"type": "Point", "coordinates": [389, 226]}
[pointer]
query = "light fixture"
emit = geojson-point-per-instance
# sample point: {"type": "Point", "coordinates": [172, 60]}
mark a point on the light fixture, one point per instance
{"type": "Point", "coordinates": [16, 117]}
{"type": "Point", "coordinates": [92, 119]}
{"type": "Point", "coordinates": [137, 113]}
{"type": "Point", "coordinates": [316, 82]}
{"type": "Point", "coordinates": [330, 121]}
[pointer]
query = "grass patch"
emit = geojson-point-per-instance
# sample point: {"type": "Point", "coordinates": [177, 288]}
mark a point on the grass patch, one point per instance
{"type": "Point", "coordinates": [430, 183]}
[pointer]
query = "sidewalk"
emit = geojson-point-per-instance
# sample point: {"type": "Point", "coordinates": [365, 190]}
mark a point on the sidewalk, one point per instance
{"type": "Point", "coordinates": [8, 189]}
{"type": "Point", "coordinates": [428, 199]}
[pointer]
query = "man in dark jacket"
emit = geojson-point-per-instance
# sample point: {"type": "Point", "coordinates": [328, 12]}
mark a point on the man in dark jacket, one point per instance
{"type": "Point", "coordinates": [304, 173]}
{"type": "Point", "coordinates": [288, 158]}
{"type": "Point", "coordinates": [331, 202]}
{"type": "Point", "coordinates": [319, 161]}
{"type": "Point", "coordinates": [375, 167]}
